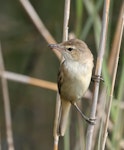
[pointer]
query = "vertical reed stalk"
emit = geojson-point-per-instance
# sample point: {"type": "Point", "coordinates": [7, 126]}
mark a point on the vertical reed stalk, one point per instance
{"type": "Point", "coordinates": [58, 103]}
{"type": "Point", "coordinates": [113, 83]}
{"type": "Point", "coordinates": [90, 130]}
{"type": "Point", "coordinates": [6, 105]}
{"type": "Point", "coordinates": [65, 38]}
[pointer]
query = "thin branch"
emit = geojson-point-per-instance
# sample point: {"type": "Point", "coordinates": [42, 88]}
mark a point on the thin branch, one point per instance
{"type": "Point", "coordinates": [65, 37]}
{"type": "Point", "coordinates": [113, 81]}
{"type": "Point", "coordinates": [90, 129]}
{"type": "Point", "coordinates": [6, 106]}
{"type": "Point", "coordinates": [113, 54]}
{"type": "Point", "coordinates": [103, 95]}
{"type": "Point", "coordinates": [55, 134]}
{"type": "Point", "coordinates": [38, 23]}
{"type": "Point", "coordinates": [34, 81]}
{"type": "Point", "coordinates": [66, 20]}
{"type": "Point", "coordinates": [29, 80]}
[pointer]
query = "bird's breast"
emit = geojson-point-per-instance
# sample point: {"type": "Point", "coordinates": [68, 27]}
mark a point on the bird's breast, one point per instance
{"type": "Point", "coordinates": [76, 79]}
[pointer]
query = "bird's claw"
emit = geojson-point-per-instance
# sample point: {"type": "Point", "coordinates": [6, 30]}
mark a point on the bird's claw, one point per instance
{"type": "Point", "coordinates": [91, 121]}
{"type": "Point", "coordinates": [97, 78]}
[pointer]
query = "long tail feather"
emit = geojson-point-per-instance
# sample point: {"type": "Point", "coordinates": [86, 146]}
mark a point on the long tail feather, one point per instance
{"type": "Point", "coordinates": [65, 108]}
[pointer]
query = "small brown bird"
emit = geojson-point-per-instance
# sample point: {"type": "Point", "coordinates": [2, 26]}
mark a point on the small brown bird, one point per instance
{"type": "Point", "coordinates": [74, 77]}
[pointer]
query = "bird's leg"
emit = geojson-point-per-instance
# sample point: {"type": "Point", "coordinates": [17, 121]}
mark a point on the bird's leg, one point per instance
{"type": "Point", "coordinates": [97, 78]}
{"type": "Point", "coordinates": [89, 120]}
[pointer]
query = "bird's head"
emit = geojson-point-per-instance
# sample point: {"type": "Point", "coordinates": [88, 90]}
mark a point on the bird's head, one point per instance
{"type": "Point", "coordinates": [74, 49]}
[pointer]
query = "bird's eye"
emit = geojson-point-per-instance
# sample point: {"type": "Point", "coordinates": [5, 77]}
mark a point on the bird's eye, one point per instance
{"type": "Point", "coordinates": [70, 49]}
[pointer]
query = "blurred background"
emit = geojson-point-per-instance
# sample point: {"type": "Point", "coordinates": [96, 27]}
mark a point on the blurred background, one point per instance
{"type": "Point", "coordinates": [26, 52]}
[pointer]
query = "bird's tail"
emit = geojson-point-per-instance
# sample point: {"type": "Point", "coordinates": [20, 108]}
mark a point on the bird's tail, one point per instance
{"type": "Point", "coordinates": [64, 114]}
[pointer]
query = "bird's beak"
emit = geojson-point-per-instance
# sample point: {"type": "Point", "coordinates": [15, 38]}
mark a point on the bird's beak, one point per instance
{"type": "Point", "coordinates": [58, 47]}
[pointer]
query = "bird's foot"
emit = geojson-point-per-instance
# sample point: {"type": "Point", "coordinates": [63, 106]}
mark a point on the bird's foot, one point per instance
{"type": "Point", "coordinates": [97, 78]}
{"type": "Point", "coordinates": [91, 121]}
